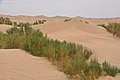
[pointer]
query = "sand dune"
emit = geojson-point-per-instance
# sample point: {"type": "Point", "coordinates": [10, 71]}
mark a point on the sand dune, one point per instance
{"type": "Point", "coordinates": [16, 64]}
{"type": "Point", "coordinates": [103, 44]}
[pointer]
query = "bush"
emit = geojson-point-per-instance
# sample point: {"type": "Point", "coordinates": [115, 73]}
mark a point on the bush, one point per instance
{"type": "Point", "coordinates": [75, 65]}
{"type": "Point", "coordinates": [35, 23]}
{"type": "Point", "coordinates": [13, 30]}
{"type": "Point", "coordinates": [113, 28]}
{"type": "Point", "coordinates": [94, 69]}
{"type": "Point", "coordinates": [67, 20]}
{"type": "Point", "coordinates": [110, 70]}
{"type": "Point", "coordinates": [1, 20]}
{"type": "Point", "coordinates": [79, 67]}
{"type": "Point", "coordinates": [5, 21]}
{"type": "Point", "coordinates": [85, 52]}
{"type": "Point", "coordinates": [2, 40]}
{"type": "Point", "coordinates": [14, 41]}
{"type": "Point", "coordinates": [86, 22]}
{"type": "Point", "coordinates": [34, 43]}
{"type": "Point", "coordinates": [102, 25]}
{"type": "Point", "coordinates": [39, 22]}
{"type": "Point", "coordinates": [15, 23]}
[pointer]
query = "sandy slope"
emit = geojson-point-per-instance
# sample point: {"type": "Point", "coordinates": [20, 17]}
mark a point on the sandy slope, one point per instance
{"type": "Point", "coordinates": [16, 64]}
{"type": "Point", "coordinates": [103, 44]}
{"type": "Point", "coordinates": [3, 27]}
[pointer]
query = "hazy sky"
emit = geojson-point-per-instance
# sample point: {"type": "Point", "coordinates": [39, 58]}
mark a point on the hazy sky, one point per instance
{"type": "Point", "coordinates": [84, 8]}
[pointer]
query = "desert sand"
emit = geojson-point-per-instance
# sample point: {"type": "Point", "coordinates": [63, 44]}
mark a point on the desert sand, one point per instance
{"type": "Point", "coordinates": [4, 27]}
{"type": "Point", "coordinates": [16, 64]}
{"type": "Point", "coordinates": [103, 45]}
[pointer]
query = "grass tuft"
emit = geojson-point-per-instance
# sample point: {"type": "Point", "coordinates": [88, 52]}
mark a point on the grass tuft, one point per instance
{"type": "Point", "coordinates": [110, 70]}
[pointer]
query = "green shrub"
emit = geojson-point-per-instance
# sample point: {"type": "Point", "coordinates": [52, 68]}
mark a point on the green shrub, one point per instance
{"type": "Point", "coordinates": [94, 69]}
{"type": "Point", "coordinates": [1, 20]}
{"type": "Point", "coordinates": [86, 22]}
{"type": "Point", "coordinates": [13, 30]}
{"type": "Point", "coordinates": [67, 20]}
{"type": "Point", "coordinates": [113, 28]}
{"type": "Point", "coordinates": [75, 65]}
{"type": "Point", "coordinates": [39, 22]}
{"type": "Point", "coordinates": [103, 25]}
{"type": "Point", "coordinates": [2, 40]}
{"type": "Point", "coordinates": [5, 21]}
{"type": "Point", "coordinates": [14, 41]}
{"type": "Point", "coordinates": [15, 23]}
{"type": "Point", "coordinates": [79, 68]}
{"type": "Point", "coordinates": [84, 51]}
{"type": "Point", "coordinates": [35, 23]}
{"type": "Point", "coordinates": [35, 43]}
{"type": "Point", "coordinates": [110, 70]}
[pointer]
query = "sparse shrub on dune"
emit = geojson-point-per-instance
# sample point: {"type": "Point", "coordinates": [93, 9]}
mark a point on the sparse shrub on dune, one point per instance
{"type": "Point", "coordinates": [35, 23]}
{"type": "Point", "coordinates": [16, 36]}
{"type": "Point", "coordinates": [39, 22]}
{"type": "Point", "coordinates": [109, 69]}
{"type": "Point", "coordinates": [15, 23]}
{"type": "Point", "coordinates": [44, 20]}
{"type": "Point", "coordinates": [5, 21]}
{"type": "Point", "coordinates": [14, 41]}
{"type": "Point", "coordinates": [13, 30]}
{"type": "Point", "coordinates": [113, 28]}
{"type": "Point", "coordinates": [94, 69]}
{"type": "Point", "coordinates": [102, 25]}
{"type": "Point", "coordinates": [67, 20]}
{"type": "Point", "coordinates": [34, 43]}
{"type": "Point", "coordinates": [2, 40]}
{"type": "Point", "coordinates": [75, 65]}
{"type": "Point", "coordinates": [81, 68]}
{"type": "Point", "coordinates": [85, 52]}
{"type": "Point", "coordinates": [1, 20]}
{"type": "Point", "coordinates": [86, 22]}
